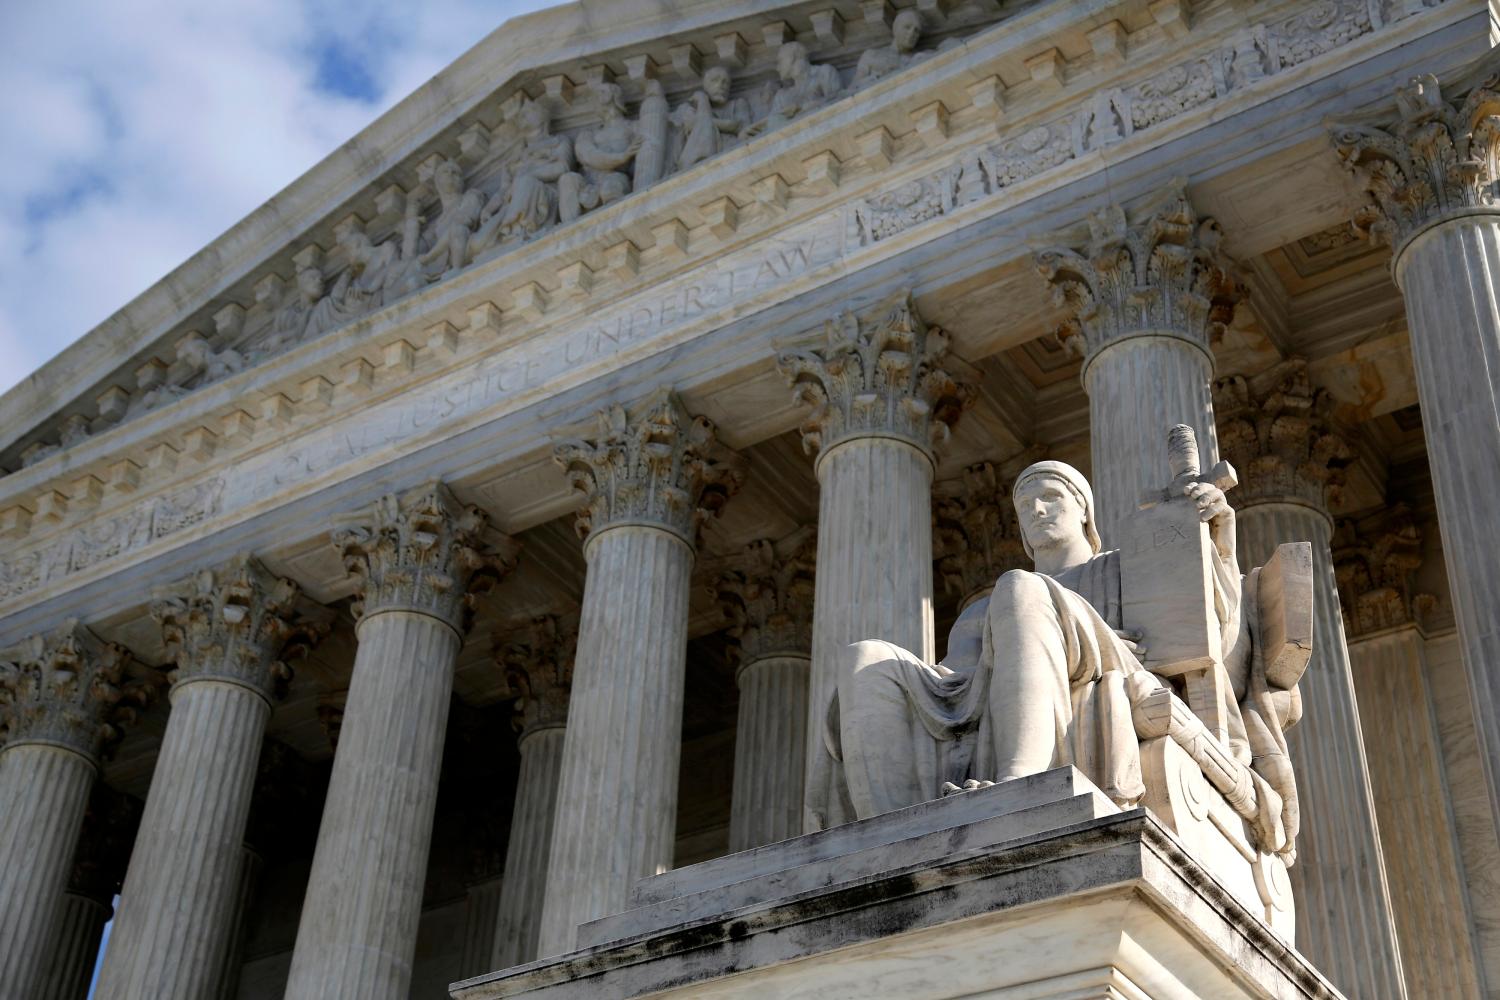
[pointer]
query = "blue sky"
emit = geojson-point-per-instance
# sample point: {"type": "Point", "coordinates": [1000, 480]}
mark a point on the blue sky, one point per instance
{"type": "Point", "coordinates": [136, 131]}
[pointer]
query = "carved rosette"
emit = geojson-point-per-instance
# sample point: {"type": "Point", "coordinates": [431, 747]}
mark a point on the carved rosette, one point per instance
{"type": "Point", "coordinates": [237, 624]}
{"type": "Point", "coordinates": [423, 551]}
{"type": "Point", "coordinates": [976, 536]}
{"type": "Point", "coordinates": [1275, 429]}
{"type": "Point", "coordinates": [104, 843]}
{"type": "Point", "coordinates": [662, 470]}
{"type": "Point", "coordinates": [69, 688]}
{"type": "Point", "coordinates": [1430, 160]}
{"type": "Point", "coordinates": [880, 375]}
{"type": "Point", "coordinates": [1163, 275]}
{"type": "Point", "coordinates": [537, 660]}
{"type": "Point", "coordinates": [1374, 562]}
{"type": "Point", "coordinates": [768, 598]}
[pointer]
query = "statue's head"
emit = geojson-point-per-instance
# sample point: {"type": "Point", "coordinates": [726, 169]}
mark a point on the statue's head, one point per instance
{"type": "Point", "coordinates": [533, 120]}
{"type": "Point", "coordinates": [792, 62]}
{"type": "Point", "coordinates": [1054, 505]}
{"type": "Point", "coordinates": [448, 178]}
{"type": "Point", "coordinates": [610, 100]}
{"type": "Point", "coordinates": [906, 30]}
{"type": "Point", "coordinates": [310, 283]}
{"type": "Point", "coordinates": [716, 84]}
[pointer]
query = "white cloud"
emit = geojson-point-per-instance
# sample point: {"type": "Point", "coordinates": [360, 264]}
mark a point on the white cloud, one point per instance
{"type": "Point", "coordinates": [136, 132]}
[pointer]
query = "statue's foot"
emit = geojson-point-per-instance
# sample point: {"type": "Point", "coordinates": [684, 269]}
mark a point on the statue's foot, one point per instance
{"type": "Point", "coordinates": [949, 788]}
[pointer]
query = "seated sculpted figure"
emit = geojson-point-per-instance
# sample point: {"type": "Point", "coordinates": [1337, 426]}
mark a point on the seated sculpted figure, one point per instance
{"type": "Point", "coordinates": [804, 86]}
{"type": "Point", "coordinates": [1038, 675]}
{"type": "Point", "coordinates": [603, 152]}
{"type": "Point", "coordinates": [906, 31]}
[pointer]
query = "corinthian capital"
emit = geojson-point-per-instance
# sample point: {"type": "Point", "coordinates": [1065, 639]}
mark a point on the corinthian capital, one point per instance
{"type": "Point", "coordinates": [1275, 429]}
{"type": "Point", "coordinates": [662, 469]}
{"type": "Point", "coordinates": [238, 623]}
{"type": "Point", "coordinates": [1159, 275]}
{"type": "Point", "coordinates": [69, 688]}
{"type": "Point", "coordinates": [976, 535]}
{"type": "Point", "coordinates": [768, 598]}
{"type": "Point", "coordinates": [538, 663]}
{"type": "Point", "coordinates": [881, 375]}
{"type": "Point", "coordinates": [1375, 561]}
{"type": "Point", "coordinates": [1429, 158]}
{"type": "Point", "coordinates": [423, 551]}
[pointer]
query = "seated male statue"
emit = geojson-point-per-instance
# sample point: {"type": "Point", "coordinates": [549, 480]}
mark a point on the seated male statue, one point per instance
{"type": "Point", "coordinates": [1040, 674]}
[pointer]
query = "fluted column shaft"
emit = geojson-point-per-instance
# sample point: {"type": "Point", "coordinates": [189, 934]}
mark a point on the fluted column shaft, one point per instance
{"type": "Point", "coordinates": [617, 798]}
{"type": "Point", "coordinates": [358, 932]}
{"type": "Point", "coordinates": [1416, 821]}
{"type": "Point", "coordinates": [1345, 924]}
{"type": "Point", "coordinates": [1138, 389]}
{"type": "Point", "coordinates": [44, 791]}
{"type": "Point", "coordinates": [770, 751]}
{"type": "Point", "coordinates": [177, 904]}
{"type": "Point", "coordinates": [227, 632]}
{"type": "Point", "coordinates": [75, 947]}
{"type": "Point", "coordinates": [519, 924]}
{"type": "Point", "coordinates": [1450, 277]}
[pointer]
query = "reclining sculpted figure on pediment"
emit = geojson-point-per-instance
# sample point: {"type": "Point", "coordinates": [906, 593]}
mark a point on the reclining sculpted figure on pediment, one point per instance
{"type": "Point", "coordinates": [379, 273]}
{"type": "Point", "coordinates": [1057, 666]}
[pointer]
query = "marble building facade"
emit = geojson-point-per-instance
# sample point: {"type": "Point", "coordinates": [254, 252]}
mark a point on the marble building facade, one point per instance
{"type": "Point", "coordinates": [466, 533]}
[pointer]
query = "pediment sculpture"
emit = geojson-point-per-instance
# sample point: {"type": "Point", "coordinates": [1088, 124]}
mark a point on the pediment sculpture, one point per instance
{"type": "Point", "coordinates": [1156, 669]}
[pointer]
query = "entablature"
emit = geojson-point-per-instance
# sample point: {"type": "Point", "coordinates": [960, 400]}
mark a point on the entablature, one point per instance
{"type": "Point", "coordinates": [519, 331]}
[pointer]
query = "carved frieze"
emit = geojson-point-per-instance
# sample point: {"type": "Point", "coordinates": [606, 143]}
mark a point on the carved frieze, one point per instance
{"type": "Point", "coordinates": [1159, 275]}
{"type": "Point", "coordinates": [1276, 429]}
{"type": "Point", "coordinates": [423, 551]}
{"type": "Point", "coordinates": [97, 541]}
{"type": "Point", "coordinates": [662, 469]}
{"type": "Point", "coordinates": [70, 688]}
{"type": "Point", "coordinates": [237, 623]}
{"type": "Point", "coordinates": [768, 597]}
{"type": "Point", "coordinates": [537, 660]}
{"type": "Point", "coordinates": [506, 183]}
{"type": "Point", "coordinates": [881, 373]}
{"type": "Point", "coordinates": [1434, 158]}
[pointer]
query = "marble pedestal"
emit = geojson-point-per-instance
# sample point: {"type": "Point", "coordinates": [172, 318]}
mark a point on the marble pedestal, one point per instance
{"type": "Point", "coordinates": [1039, 888]}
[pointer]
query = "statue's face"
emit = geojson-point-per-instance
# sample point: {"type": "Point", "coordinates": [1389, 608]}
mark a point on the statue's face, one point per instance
{"type": "Point", "coordinates": [1049, 512]}
{"type": "Point", "coordinates": [448, 179]}
{"type": "Point", "coordinates": [716, 84]}
{"type": "Point", "coordinates": [789, 62]}
{"type": "Point", "coordinates": [907, 31]}
{"type": "Point", "coordinates": [310, 281]}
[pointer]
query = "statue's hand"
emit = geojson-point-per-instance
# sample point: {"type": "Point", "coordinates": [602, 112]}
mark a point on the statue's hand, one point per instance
{"type": "Point", "coordinates": [949, 788]}
{"type": "Point", "coordinates": [1214, 510]}
{"type": "Point", "coordinates": [1132, 640]}
{"type": "Point", "coordinates": [1210, 500]}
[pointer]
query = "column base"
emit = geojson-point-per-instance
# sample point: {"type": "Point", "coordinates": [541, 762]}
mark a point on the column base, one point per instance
{"type": "Point", "coordinates": [1041, 882]}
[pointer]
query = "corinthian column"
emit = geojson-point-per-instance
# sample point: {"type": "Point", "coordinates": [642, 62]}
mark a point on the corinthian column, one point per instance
{"type": "Point", "coordinates": [538, 665]}
{"type": "Point", "coordinates": [769, 601]}
{"type": "Point", "coordinates": [230, 633]}
{"type": "Point", "coordinates": [978, 537]}
{"type": "Point", "coordinates": [63, 699]}
{"type": "Point", "coordinates": [1149, 297]}
{"type": "Point", "coordinates": [1274, 430]}
{"type": "Point", "coordinates": [882, 403]}
{"type": "Point", "coordinates": [649, 484]}
{"type": "Point", "coordinates": [418, 559]}
{"type": "Point", "coordinates": [1429, 169]}
{"type": "Point", "coordinates": [1375, 560]}
{"type": "Point", "coordinates": [109, 828]}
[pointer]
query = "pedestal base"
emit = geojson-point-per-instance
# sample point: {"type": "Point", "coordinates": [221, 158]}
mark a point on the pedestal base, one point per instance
{"type": "Point", "coordinates": [1038, 888]}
